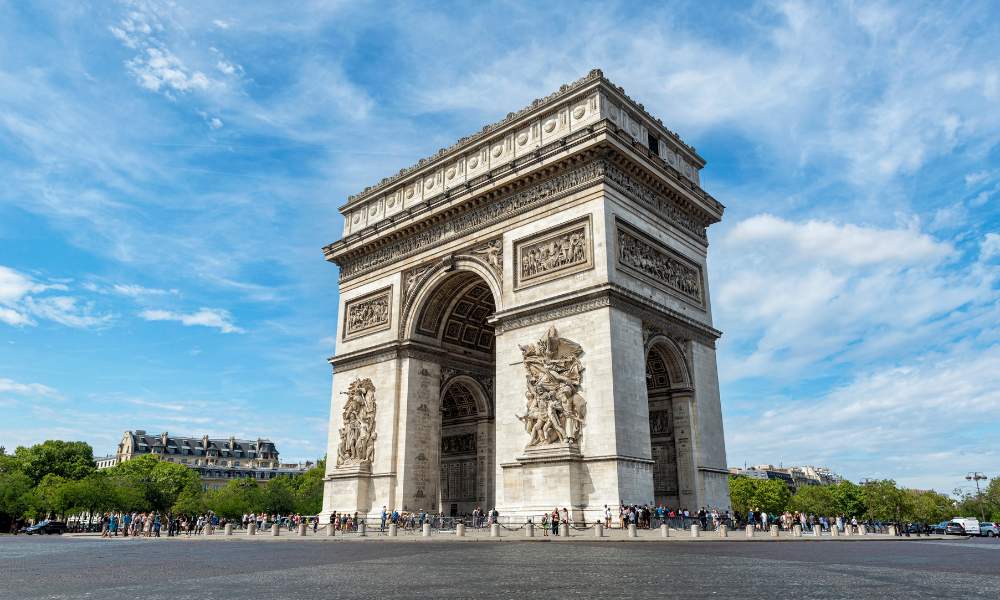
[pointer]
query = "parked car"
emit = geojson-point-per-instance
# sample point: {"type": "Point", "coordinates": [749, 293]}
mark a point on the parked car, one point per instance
{"type": "Point", "coordinates": [919, 529]}
{"type": "Point", "coordinates": [988, 529]}
{"type": "Point", "coordinates": [46, 527]}
{"type": "Point", "coordinates": [940, 528]}
{"type": "Point", "coordinates": [955, 528]}
{"type": "Point", "coordinates": [969, 524]}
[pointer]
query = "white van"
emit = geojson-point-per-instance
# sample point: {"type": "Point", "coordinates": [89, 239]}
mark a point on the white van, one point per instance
{"type": "Point", "coordinates": [970, 524]}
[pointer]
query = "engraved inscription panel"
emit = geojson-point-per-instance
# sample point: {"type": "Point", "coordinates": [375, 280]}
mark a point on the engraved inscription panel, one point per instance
{"type": "Point", "coordinates": [368, 314]}
{"type": "Point", "coordinates": [555, 253]}
{"type": "Point", "coordinates": [659, 265]}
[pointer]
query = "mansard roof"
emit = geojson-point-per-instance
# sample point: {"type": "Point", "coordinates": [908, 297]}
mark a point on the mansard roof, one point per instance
{"type": "Point", "coordinates": [201, 446]}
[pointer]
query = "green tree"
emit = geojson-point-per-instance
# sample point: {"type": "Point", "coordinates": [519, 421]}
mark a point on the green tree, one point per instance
{"type": "Point", "coordinates": [15, 494]}
{"type": "Point", "coordinates": [72, 460]}
{"type": "Point", "coordinates": [236, 498]}
{"type": "Point", "coordinates": [160, 482]}
{"type": "Point", "coordinates": [50, 496]}
{"type": "Point", "coordinates": [884, 501]}
{"type": "Point", "coordinates": [772, 496]}
{"type": "Point", "coordinates": [278, 496]}
{"type": "Point", "coordinates": [929, 507]}
{"type": "Point", "coordinates": [741, 491]}
{"type": "Point", "coordinates": [849, 500]}
{"type": "Point", "coordinates": [814, 499]}
{"type": "Point", "coordinates": [308, 489]}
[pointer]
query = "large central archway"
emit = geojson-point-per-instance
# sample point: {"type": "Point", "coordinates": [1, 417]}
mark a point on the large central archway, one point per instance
{"type": "Point", "coordinates": [668, 390]}
{"type": "Point", "coordinates": [453, 315]}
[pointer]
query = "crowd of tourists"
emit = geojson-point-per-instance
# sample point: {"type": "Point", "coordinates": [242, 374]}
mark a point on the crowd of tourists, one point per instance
{"type": "Point", "coordinates": [759, 519]}
{"type": "Point", "coordinates": [155, 524]}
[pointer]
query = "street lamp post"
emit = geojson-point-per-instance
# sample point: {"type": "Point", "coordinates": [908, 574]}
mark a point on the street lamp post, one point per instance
{"type": "Point", "coordinates": [977, 477]}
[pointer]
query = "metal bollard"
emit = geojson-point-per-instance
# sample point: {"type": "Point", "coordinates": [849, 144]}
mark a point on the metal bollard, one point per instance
{"type": "Point", "coordinates": [275, 530]}
{"type": "Point", "coordinates": [302, 529]}
{"type": "Point", "coordinates": [495, 530]}
{"type": "Point", "coordinates": [749, 531]}
{"type": "Point", "coordinates": [817, 531]}
{"type": "Point", "coordinates": [393, 530]}
{"type": "Point", "coordinates": [695, 531]}
{"type": "Point", "coordinates": [426, 530]}
{"type": "Point", "coordinates": [723, 531]}
{"type": "Point", "coordinates": [229, 529]}
{"type": "Point", "coordinates": [252, 528]}
{"type": "Point", "coordinates": [599, 530]}
{"type": "Point", "coordinates": [774, 531]}
{"type": "Point", "coordinates": [797, 530]}
{"type": "Point", "coordinates": [362, 529]}
{"type": "Point", "coordinates": [631, 531]}
{"type": "Point", "coordinates": [664, 530]}
{"type": "Point", "coordinates": [529, 530]}
{"type": "Point", "coordinates": [460, 530]}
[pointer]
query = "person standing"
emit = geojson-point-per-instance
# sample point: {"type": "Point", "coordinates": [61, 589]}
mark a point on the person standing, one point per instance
{"type": "Point", "coordinates": [555, 521]}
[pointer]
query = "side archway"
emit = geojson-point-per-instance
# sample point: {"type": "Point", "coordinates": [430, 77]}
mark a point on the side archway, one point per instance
{"type": "Point", "coordinates": [668, 389]}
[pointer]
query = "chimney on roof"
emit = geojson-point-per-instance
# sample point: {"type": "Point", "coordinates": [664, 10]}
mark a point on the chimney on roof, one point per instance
{"type": "Point", "coordinates": [140, 432]}
{"type": "Point", "coordinates": [232, 443]}
{"type": "Point", "coordinates": [163, 438]}
{"type": "Point", "coordinates": [204, 442]}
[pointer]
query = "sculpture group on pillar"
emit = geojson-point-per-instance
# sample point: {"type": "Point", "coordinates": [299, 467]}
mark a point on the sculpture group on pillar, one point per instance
{"type": "Point", "coordinates": [556, 410]}
{"type": "Point", "coordinates": [357, 436]}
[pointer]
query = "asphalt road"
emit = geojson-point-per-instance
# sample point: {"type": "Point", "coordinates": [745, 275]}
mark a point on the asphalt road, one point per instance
{"type": "Point", "coordinates": [53, 567]}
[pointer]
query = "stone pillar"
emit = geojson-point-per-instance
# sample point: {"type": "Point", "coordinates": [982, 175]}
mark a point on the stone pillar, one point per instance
{"type": "Point", "coordinates": [275, 530]}
{"type": "Point", "coordinates": [393, 530]}
{"type": "Point", "coordinates": [599, 530]}
{"type": "Point", "coordinates": [797, 530]}
{"type": "Point", "coordinates": [460, 530]}
{"type": "Point", "coordinates": [564, 529]}
{"type": "Point", "coordinates": [229, 529]}
{"type": "Point", "coordinates": [834, 530]}
{"type": "Point", "coordinates": [817, 531]}
{"type": "Point", "coordinates": [495, 530]}
{"type": "Point", "coordinates": [892, 530]}
{"type": "Point", "coordinates": [723, 531]}
{"type": "Point", "coordinates": [862, 530]}
{"type": "Point", "coordinates": [749, 531]}
{"type": "Point", "coordinates": [685, 452]}
{"type": "Point", "coordinates": [529, 530]}
{"type": "Point", "coordinates": [208, 529]}
{"type": "Point", "coordinates": [302, 529]}
{"type": "Point", "coordinates": [252, 528]}
{"type": "Point", "coordinates": [362, 529]}
{"type": "Point", "coordinates": [695, 531]}
{"type": "Point", "coordinates": [847, 530]}
{"type": "Point", "coordinates": [631, 531]}
{"type": "Point", "coordinates": [426, 530]}
{"type": "Point", "coordinates": [331, 530]}
{"type": "Point", "coordinates": [774, 531]}
{"type": "Point", "coordinates": [664, 531]}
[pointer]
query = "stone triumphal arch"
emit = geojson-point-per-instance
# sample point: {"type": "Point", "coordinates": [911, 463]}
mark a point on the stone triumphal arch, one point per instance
{"type": "Point", "coordinates": [525, 322]}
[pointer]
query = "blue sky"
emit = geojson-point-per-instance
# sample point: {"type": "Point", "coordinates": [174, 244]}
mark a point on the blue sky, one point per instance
{"type": "Point", "coordinates": [171, 170]}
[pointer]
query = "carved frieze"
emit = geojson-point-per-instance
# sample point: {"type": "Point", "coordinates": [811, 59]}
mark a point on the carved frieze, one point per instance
{"type": "Point", "coordinates": [659, 265]}
{"type": "Point", "coordinates": [555, 408]}
{"type": "Point", "coordinates": [555, 253]}
{"type": "Point", "coordinates": [411, 280]}
{"type": "Point", "coordinates": [492, 254]}
{"type": "Point", "coordinates": [358, 435]}
{"type": "Point", "coordinates": [368, 314]}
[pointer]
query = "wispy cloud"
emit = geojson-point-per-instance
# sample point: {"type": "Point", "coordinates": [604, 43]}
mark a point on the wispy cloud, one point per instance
{"type": "Point", "coordinates": [23, 302]}
{"type": "Point", "coordinates": [206, 317]}
{"type": "Point", "coordinates": [9, 386]}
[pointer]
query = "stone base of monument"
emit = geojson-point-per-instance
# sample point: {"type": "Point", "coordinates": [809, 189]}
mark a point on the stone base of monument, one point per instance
{"type": "Point", "coordinates": [664, 530]}
{"type": "Point", "coordinates": [353, 489]}
{"type": "Point", "coordinates": [548, 475]}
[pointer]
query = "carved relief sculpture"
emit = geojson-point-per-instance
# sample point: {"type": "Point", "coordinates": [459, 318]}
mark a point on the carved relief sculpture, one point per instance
{"type": "Point", "coordinates": [658, 265]}
{"type": "Point", "coordinates": [368, 314]}
{"type": "Point", "coordinates": [358, 435]}
{"type": "Point", "coordinates": [492, 253]}
{"type": "Point", "coordinates": [553, 254]}
{"type": "Point", "coordinates": [555, 409]}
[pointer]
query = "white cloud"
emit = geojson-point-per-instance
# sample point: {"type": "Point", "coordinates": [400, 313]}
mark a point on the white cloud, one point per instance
{"type": "Point", "coordinates": [26, 389]}
{"type": "Point", "coordinates": [801, 298]}
{"type": "Point", "coordinates": [22, 300]}
{"type": "Point", "coordinates": [215, 123]}
{"type": "Point", "coordinates": [990, 246]}
{"type": "Point", "coordinates": [972, 179]}
{"type": "Point", "coordinates": [917, 421]}
{"type": "Point", "coordinates": [160, 68]}
{"type": "Point", "coordinates": [207, 317]}
{"type": "Point", "coordinates": [221, 24]}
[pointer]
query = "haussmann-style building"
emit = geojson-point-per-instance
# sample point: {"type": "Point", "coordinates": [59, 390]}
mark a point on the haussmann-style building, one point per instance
{"type": "Point", "coordinates": [217, 460]}
{"type": "Point", "coordinates": [525, 323]}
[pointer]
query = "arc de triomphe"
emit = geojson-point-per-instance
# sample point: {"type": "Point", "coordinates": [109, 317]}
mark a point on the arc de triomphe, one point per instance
{"type": "Point", "coordinates": [525, 322]}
